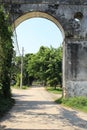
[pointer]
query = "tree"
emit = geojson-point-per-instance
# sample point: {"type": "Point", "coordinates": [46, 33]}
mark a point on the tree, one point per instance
{"type": "Point", "coordinates": [5, 53]}
{"type": "Point", "coordinates": [46, 66]}
{"type": "Point", "coordinates": [28, 75]}
{"type": "Point", "coordinates": [54, 70]}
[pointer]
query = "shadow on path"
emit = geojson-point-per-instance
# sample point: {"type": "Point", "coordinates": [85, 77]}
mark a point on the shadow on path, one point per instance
{"type": "Point", "coordinates": [42, 109]}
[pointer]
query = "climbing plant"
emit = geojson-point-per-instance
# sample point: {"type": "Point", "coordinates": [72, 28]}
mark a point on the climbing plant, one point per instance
{"type": "Point", "coordinates": [6, 52]}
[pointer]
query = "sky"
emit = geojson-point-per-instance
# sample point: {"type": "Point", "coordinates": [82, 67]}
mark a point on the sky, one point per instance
{"type": "Point", "coordinates": [36, 32]}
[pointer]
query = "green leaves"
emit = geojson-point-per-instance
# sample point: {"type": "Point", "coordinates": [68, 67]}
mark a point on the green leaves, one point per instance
{"type": "Point", "coordinates": [46, 65]}
{"type": "Point", "coordinates": [6, 52]}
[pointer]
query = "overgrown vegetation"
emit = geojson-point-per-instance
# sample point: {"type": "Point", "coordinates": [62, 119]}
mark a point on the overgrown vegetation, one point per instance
{"type": "Point", "coordinates": [79, 103]}
{"type": "Point", "coordinates": [6, 53]}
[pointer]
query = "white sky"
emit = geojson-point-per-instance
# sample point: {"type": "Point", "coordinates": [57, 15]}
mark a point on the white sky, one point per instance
{"type": "Point", "coordinates": [35, 32]}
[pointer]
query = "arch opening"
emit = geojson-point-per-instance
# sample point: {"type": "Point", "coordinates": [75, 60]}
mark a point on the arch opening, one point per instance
{"type": "Point", "coordinates": [36, 32]}
{"type": "Point", "coordinates": [38, 15]}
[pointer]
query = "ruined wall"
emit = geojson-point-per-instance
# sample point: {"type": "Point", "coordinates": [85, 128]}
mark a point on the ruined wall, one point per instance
{"type": "Point", "coordinates": [72, 15]}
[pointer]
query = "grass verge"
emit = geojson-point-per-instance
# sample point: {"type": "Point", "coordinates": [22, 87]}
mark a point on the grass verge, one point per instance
{"type": "Point", "coordinates": [18, 87]}
{"type": "Point", "coordinates": [55, 91]}
{"type": "Point", "coordinates": [79, 103]}
{"type": "Point", "coordinates": [5, 104]}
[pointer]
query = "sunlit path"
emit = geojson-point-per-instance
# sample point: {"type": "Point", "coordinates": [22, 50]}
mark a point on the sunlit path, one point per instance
{"type": "Point", "coordinates": [35, 109]}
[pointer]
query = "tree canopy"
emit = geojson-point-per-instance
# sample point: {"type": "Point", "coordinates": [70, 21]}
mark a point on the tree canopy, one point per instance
{"type": "Point", "coordinates": [45, 66]}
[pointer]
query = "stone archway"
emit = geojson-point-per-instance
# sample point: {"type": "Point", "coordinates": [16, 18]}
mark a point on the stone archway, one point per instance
{"type": "Point", "coordinates": [49, 17]}
{"type": "Point", "coordinates": [41, 15]}
{"type": "Point", "coordinates": [72, 16]}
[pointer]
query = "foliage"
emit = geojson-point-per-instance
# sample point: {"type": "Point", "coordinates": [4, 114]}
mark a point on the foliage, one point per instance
{"type": "Point", "coordinates": [55, 67]}
{"type": "Point", "coordinates": [6, 52]}
{"type": "Point", "coordinates": [79, 103]}
{"type": "Point", "coordinates": [28, 76]}
{"type": "Point", "coordinates": [15, 70]}
{"type": "Point", "coordinates": [45, 67]}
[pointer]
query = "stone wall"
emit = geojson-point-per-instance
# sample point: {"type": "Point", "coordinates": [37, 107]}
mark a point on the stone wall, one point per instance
{"type": "Point", "coordinates": [76, 67]}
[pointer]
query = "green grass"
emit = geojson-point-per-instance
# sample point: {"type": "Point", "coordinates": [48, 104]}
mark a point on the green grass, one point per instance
{"type": "Point", "coordinates": [5, 104]}
{"type": "Point", "coordinates": [79, 103]}
{"type": "Point", "coordinates": [18, 87]}
{"type": "Point", "coordinates": [55, 91]}
{"type": "Point", "coordinates": [25, 87]}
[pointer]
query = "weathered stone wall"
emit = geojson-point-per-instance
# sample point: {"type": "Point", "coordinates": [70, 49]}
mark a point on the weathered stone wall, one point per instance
{"type": "Point", "coordinates": [72, 2]}
{"type": "Point", "coordinates": [64, 11]}
{"type": "Point", "coordinates": [75, 46]}
{"type": "Point", "coordinates": [76, 67]}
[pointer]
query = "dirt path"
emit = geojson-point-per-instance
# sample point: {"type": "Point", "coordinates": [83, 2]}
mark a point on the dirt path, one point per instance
{"type": "Point", "coordinates": [35, 109]}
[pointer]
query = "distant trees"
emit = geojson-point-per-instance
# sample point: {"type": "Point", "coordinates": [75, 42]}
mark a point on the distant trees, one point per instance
{"type": "Point", "coordinates": [6, 52]}
{"type": "Point", "coordinates": [45, 66]}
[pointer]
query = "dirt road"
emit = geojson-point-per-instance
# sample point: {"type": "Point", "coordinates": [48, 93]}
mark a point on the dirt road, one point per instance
{"type": "Point", "coordinates": [35, 109]}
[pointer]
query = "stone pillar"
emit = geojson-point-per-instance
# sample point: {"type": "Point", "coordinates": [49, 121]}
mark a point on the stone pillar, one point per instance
{"type": "Point", "coordinates": [75, 67]}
